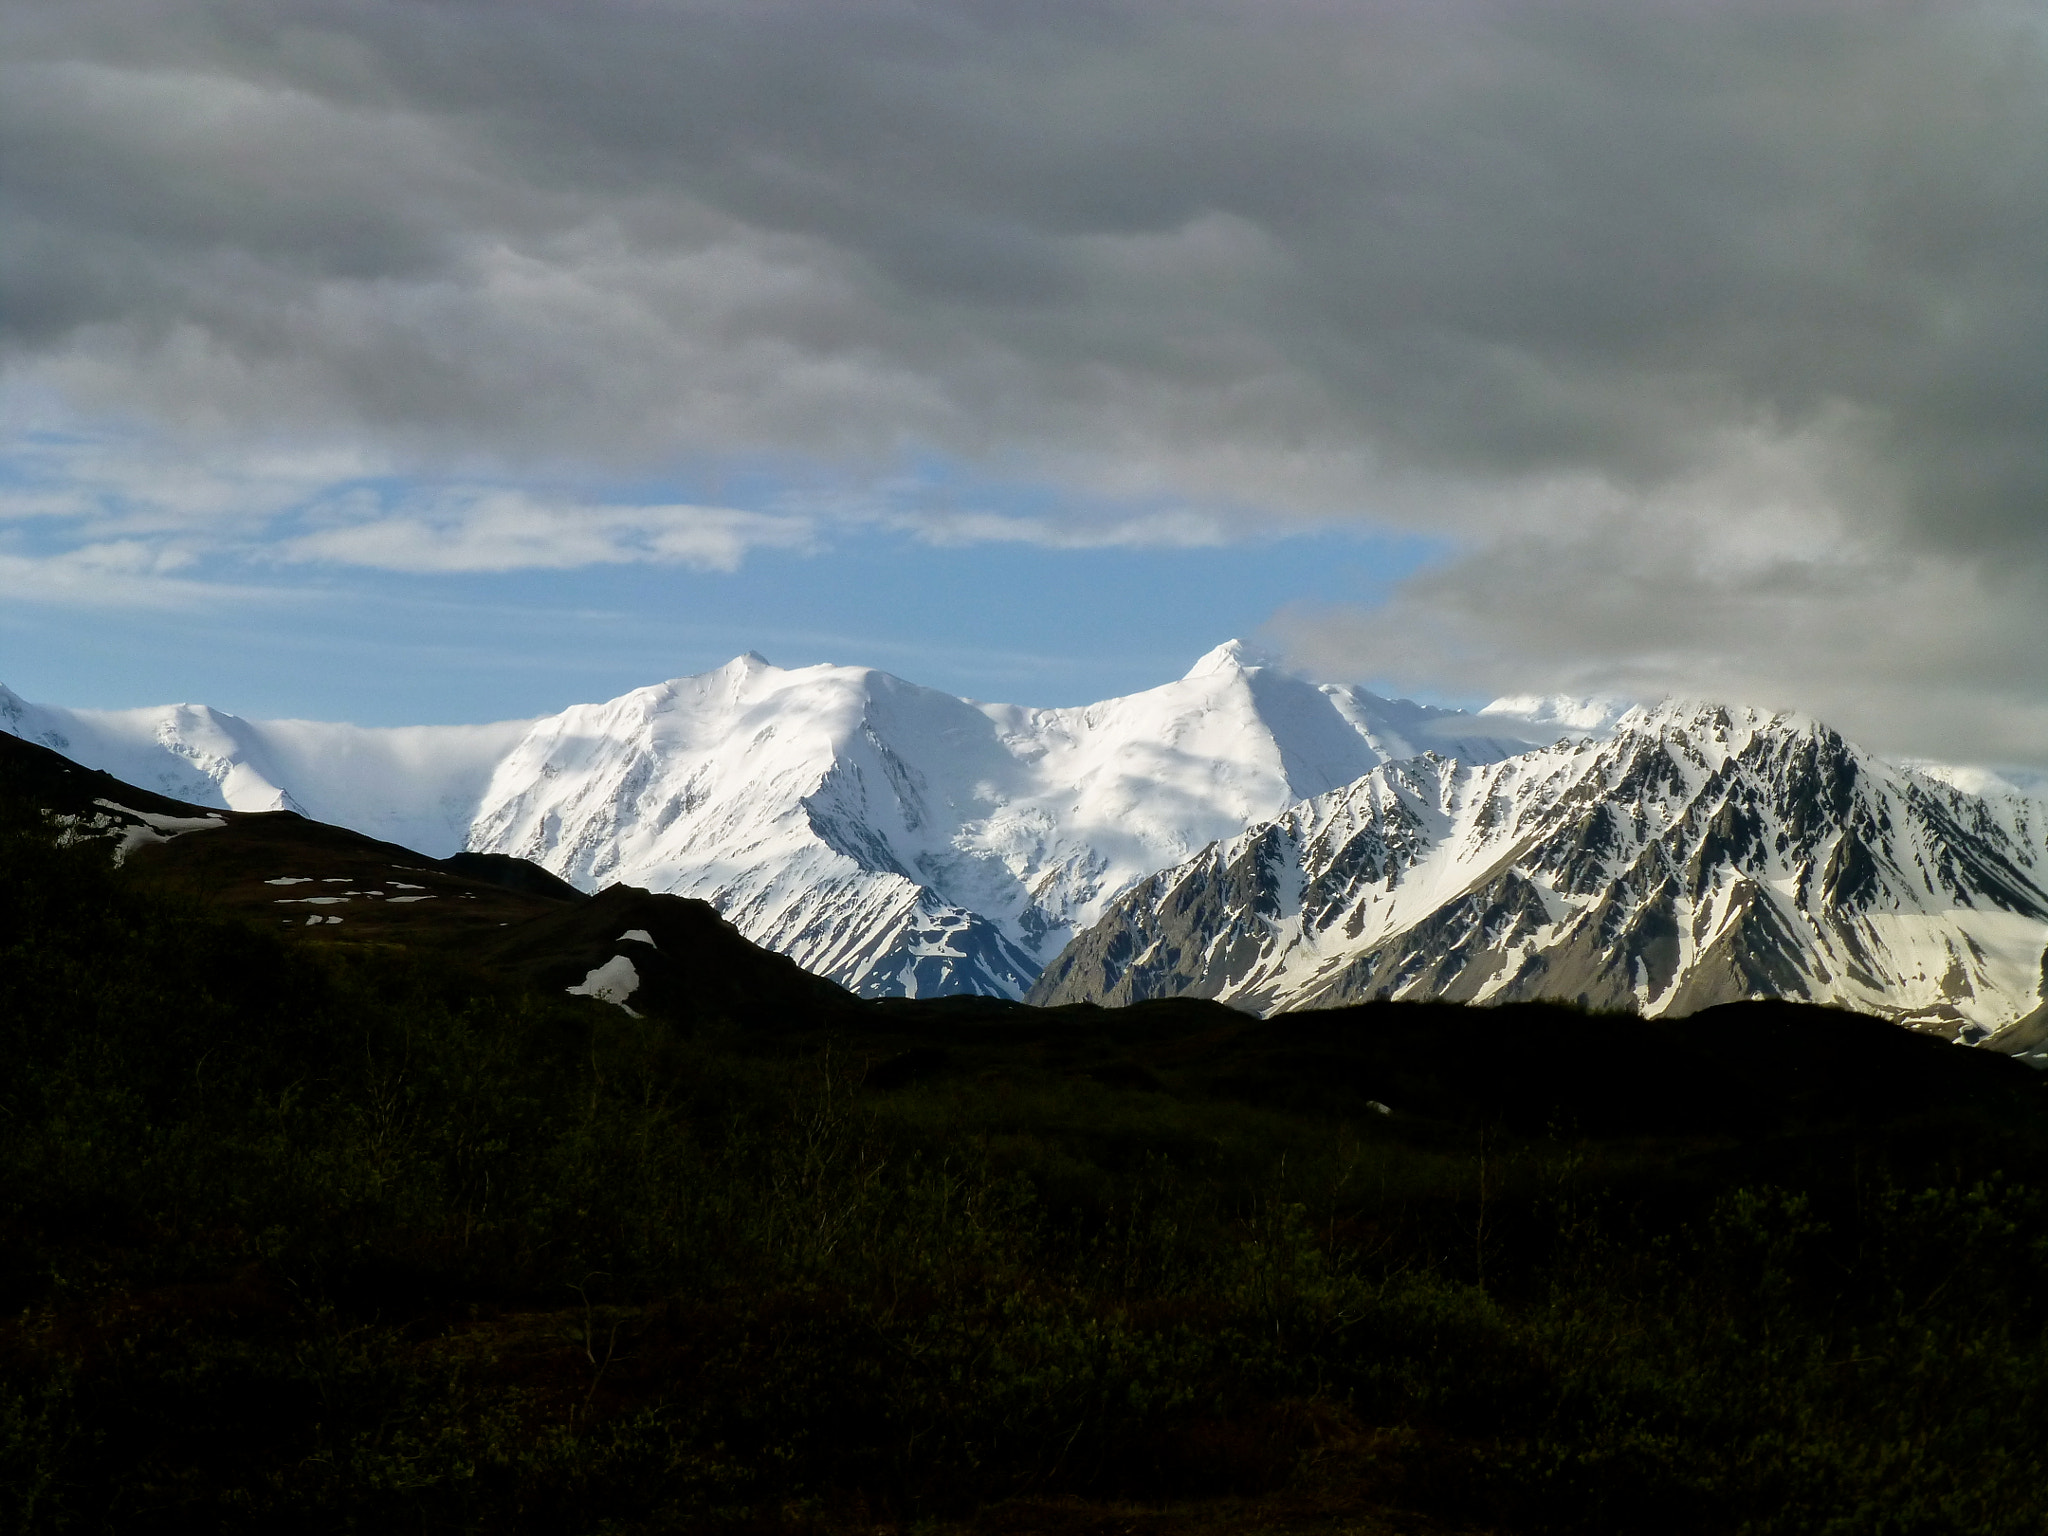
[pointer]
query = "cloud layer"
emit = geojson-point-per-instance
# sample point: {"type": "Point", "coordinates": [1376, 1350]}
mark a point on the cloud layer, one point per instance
{"type": "Point", "coordinates": [1706, 331]}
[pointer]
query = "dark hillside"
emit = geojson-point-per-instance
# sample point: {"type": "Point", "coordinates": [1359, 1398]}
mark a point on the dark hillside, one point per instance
{"type": "Point", "coordinates": [491, 915]}
{"type": "Point", "coordinates": [32, 774]}
{"type": "Point", "coordinates": [1742, 1069]}
{"type": "Point", "coordinates": [692, 966]}
{"type": "Point", "coordinates": [311, 1234]}
{"type": "Point", "coordinates": [278, 867]}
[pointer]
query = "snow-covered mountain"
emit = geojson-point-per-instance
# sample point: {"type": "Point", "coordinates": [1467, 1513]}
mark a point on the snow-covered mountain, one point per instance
{"type": "Point", "coordinates": [903, 841]}
{"type": "Point", "coordinates": [892, 837]}
{"type": "Point", "coordinates": [1697, 855]}
{"type": "Point", "coordinates": [418, 786]}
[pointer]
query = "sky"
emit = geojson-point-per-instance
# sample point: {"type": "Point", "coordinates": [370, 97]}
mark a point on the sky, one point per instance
{"type": "Point", "coordinates": [437, 360]}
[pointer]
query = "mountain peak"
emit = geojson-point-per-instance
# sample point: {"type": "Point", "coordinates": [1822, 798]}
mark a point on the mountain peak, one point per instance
{"type": "Point", "coordinates": [1230, 656]}
{"type": "Point", "coordinates": [735, 675]}
{"type": "Point", "coordinates": [1711, 717]}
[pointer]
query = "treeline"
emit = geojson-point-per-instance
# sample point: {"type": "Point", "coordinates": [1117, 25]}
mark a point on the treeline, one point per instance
{"type": "Point", "coordinates": [299, 1239]}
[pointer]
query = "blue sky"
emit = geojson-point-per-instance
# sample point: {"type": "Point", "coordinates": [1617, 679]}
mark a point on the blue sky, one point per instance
{"type": "Point", "coordinates": [409, 360]}
{"type": "Point", "coordinates": [1013, 620]}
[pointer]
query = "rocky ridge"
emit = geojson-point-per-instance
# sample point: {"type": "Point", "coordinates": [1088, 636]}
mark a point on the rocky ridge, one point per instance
{"type": "Point", "coordinates": [1699, 855]}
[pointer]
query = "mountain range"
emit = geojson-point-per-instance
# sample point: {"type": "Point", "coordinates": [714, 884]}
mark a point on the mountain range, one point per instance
{"type": "Point", "coordinates": [1698, 855]}
{"type": "Point", "coordinates": [894, 838]}
{"type": "Point", "coordinates": [1240, 833]}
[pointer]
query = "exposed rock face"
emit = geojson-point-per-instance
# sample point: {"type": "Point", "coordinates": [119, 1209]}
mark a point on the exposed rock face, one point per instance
{"type": "Point", "coordinates": [1701, 855]}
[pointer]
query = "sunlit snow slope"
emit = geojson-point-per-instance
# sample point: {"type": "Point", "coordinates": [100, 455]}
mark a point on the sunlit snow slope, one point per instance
{"type": "Point", "coordinates": [1698, 855]}
{"type": "Point", "coordinates": [903, 841]}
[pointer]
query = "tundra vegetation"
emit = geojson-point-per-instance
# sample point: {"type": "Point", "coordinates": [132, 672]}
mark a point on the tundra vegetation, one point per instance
{"type": "Point", "coordinates": [305, 1238]}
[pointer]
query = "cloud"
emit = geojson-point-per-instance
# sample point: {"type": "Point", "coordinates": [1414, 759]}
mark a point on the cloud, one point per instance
{"type": "Point", "coordinates": [1180, 528]}
{"type": "Point", "coordinates": [1782, 602]}
{"type": "Point", "coordinates": [1192, 248]}
{"type": "Point", "coordinates": [123, 574]}
{"type": "Point", "coordinates": [73, 503]}
{"type": "Point", "coordinates": [1742, 304]}
{"type": "Point", "coordinates": [502, 530]}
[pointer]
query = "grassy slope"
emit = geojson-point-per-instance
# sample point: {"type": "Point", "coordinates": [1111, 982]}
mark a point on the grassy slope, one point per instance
{"type": "Point", "coordinates": [299, 1238]}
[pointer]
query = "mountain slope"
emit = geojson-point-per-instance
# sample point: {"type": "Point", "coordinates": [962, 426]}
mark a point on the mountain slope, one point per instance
{"type": "Point", "coordinates": [483, 913]}
{"type": "Point", "coordinates": [1698, 856]}
{"type": "Point", "coordinates": [277, 867]}
{"type": "Point", "coordinates": [906, 842]}
{"type": "Point", "coordinates": [416, 785]}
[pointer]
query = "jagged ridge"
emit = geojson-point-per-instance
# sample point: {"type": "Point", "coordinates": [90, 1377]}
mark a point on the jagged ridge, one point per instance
{"type": "Point", "coordinates": [1700, 855]}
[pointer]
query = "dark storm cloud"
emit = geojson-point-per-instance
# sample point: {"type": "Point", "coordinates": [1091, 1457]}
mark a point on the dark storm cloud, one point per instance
{"type": "Point", "coordinates": [1497, 239]}
{"type": "Point", "coordinates": [1487, 268]}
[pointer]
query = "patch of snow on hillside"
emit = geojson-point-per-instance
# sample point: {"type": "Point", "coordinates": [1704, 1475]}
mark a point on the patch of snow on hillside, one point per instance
{"type": "Point", "coordinates": [613, 982]}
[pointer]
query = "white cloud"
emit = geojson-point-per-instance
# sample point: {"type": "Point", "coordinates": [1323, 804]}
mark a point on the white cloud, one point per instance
{"type": "Point", "coordinates": [142, 506]}
{"type": "Point", "coordinates": [166, 503]}
{"type": "Point", "coordinates": [504, 530]}
{"type": "Point", "coordinates": [85, 482]}
{"type": "Point", "coordinates": [124, 574]}
{"type": "Point", "coordinates": [1170, 529]}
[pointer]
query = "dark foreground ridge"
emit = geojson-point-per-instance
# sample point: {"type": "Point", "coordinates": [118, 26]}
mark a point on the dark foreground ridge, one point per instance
{"type": "Point", "coordinates": [373, 1225]}
{"type": "Point", "coordinates": [495, 916]}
